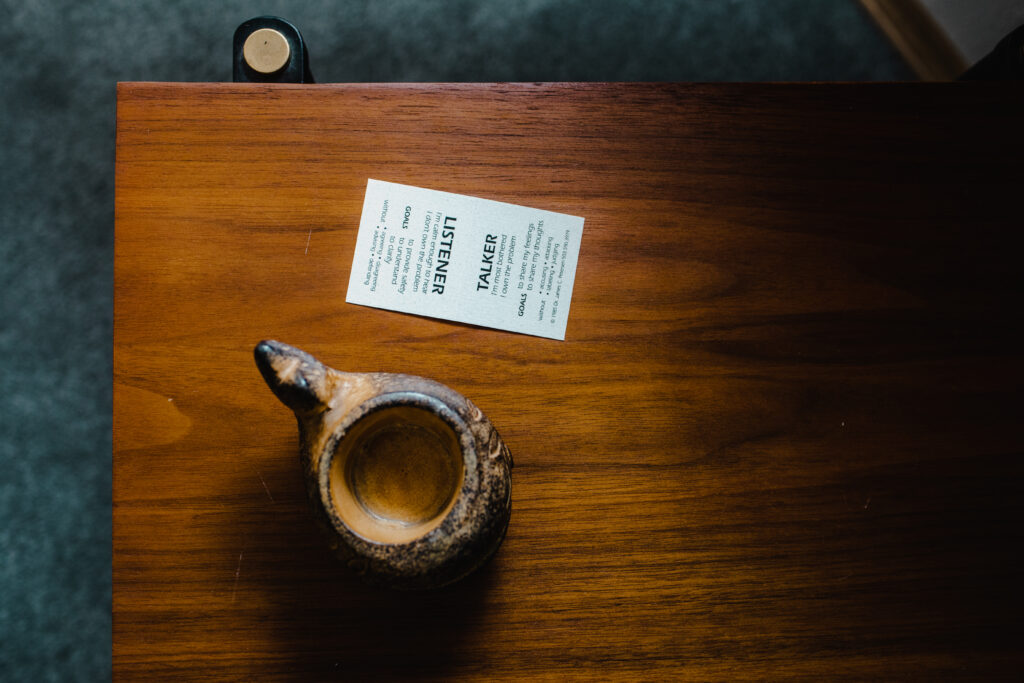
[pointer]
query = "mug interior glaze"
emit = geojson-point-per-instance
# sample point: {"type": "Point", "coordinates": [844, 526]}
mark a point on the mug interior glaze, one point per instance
{"type": "Point", "coordinates": [397, 471]}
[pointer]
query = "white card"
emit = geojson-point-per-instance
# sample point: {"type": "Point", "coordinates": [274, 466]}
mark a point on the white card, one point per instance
{"type": "Point", "coordinates": [465, 259]}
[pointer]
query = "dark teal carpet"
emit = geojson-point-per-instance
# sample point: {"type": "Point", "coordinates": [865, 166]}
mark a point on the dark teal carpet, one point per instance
{"type": "Point", "coordinates": [56, 211]}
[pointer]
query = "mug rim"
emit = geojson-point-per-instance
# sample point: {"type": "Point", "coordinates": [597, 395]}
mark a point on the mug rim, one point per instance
{"type": "Point", "coordinates": [412, 399]}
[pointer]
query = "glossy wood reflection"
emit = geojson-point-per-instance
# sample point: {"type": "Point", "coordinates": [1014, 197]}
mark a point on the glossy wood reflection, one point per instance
{"type": "Point", "coordinates": [781, 439]}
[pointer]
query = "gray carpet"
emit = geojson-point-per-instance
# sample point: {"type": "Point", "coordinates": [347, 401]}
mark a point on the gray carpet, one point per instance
{"type": "Point", "coordinates": [56, 211]}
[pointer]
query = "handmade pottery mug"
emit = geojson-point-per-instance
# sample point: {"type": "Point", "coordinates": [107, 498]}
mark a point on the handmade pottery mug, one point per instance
{"type": "Point", "coordinates": [409, 478]}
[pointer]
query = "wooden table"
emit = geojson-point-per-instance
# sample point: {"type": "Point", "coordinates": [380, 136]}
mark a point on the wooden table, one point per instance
{"type": "Point", "coordinates": [782, 438]}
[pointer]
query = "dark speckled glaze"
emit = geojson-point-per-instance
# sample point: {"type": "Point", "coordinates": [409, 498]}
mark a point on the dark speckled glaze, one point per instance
{"type": "Point", "coordinates": [329, 404]}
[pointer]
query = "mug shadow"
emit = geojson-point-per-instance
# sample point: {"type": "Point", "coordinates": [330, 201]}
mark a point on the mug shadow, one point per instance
{"type": "Point", "coordinates": [341, 627]}
{"type": "Point", "coordinates": [323, 622]}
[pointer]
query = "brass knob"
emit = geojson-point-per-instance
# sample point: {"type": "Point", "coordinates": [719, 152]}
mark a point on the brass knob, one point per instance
{"type": "Point", "coordinates": [266, 51]}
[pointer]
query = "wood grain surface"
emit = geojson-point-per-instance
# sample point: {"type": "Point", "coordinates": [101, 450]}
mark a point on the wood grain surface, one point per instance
{"type": "Point", "coordinates": [782, 439]}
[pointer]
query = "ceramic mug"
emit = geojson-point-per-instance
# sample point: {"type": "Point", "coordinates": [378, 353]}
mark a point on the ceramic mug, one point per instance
{"type": "Point", "coordinates": [409, 479]}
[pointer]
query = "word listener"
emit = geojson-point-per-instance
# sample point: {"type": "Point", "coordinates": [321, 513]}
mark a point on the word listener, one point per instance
{"type": "Point", "coordinates": [444, 255]}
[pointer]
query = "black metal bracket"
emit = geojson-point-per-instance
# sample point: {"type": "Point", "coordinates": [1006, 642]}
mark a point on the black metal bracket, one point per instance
{"type": "Point", "coordinates": [289, 61]}
{"type": "Point", "coordinates": [1004, 63]}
